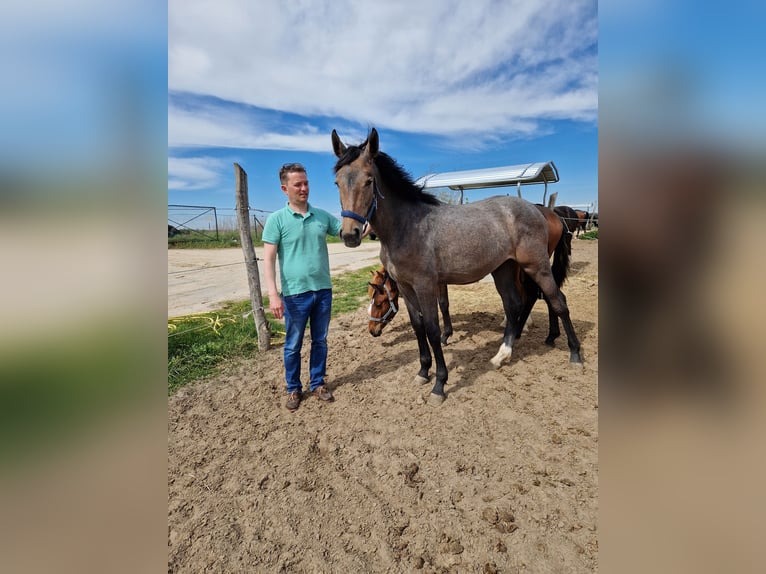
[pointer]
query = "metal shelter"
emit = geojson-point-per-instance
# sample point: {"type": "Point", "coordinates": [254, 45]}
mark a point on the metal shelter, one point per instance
{"type": "Point", "coordinates": [506, 176]}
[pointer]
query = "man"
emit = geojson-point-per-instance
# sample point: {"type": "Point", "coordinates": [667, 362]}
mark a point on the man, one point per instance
{"type": "Point", "coordinates": [297, 235]}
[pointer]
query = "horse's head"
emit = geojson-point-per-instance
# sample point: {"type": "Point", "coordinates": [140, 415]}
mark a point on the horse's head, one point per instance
{"type": "Point", "coordinates": [355, 178]}
{"type": "Point", "coordinates": [384, 298]}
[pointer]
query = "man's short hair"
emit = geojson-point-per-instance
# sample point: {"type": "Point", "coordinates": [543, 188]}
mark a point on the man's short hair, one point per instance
{"type": "Point", "coordinates": [290, 168]}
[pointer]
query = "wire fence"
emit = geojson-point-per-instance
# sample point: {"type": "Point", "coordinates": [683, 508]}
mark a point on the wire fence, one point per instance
{"type": "Point", "coordinates": [207, 222]}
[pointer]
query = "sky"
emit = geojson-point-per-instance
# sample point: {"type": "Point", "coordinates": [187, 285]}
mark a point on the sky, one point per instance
{"type": "Point", "coordinates": [449, 85]}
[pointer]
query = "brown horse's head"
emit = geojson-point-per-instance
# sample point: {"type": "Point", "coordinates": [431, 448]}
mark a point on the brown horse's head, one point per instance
{"type": "Point", "coordinates": [355, 178]}
{"type": "Point", "coordinates": [384, 301]}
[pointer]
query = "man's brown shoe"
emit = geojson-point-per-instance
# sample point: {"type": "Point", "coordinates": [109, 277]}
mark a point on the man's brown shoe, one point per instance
{"type": "Point", "coordinates": [294, 400]}
{"type": "Point", "coordinates": [323, 394]}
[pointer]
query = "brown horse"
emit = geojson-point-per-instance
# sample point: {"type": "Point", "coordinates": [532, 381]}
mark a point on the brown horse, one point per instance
{"type": "Point", "coordinates": [569, 216]}
{"type": "Point", "coordinates": [582, 221]}
{"type": "Point", "coordinates": [427, 244]}
{"type": "Point", "coordinates": [384, 292]}
{"type": "Point", "coordinates": [384, 304]}
{"type": "Point", "coordinates": [384, 301]}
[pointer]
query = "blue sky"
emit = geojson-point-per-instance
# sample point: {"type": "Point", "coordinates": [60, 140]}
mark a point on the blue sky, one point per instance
{"type": "Point", "coordinates": [449, 85]}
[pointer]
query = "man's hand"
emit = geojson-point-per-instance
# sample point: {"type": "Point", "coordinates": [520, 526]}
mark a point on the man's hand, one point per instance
{"type": "Point", "coordinates": [276, 306]}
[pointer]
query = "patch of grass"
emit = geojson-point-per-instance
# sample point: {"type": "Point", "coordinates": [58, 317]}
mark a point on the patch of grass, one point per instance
{"type": "Point", "coordinates": [199, 344]}
{"type": "Point", "coordinates": [592, 234]}
{"type": "Point", "coordinates": [349, 290]}
{"type": "Point", "coordinates": [208, 241]}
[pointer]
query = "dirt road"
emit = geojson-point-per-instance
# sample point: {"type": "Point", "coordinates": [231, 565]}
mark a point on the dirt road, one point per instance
{"type": "Point", "coordinates": [199, 280]}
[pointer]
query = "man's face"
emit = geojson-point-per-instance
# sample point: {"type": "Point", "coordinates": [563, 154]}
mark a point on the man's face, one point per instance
{"type": "Point", "coordinates": [297, 187]}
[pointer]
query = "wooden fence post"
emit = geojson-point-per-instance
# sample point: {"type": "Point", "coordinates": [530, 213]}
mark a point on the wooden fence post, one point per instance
{"type": "Point", "coordinates": [251, 263]}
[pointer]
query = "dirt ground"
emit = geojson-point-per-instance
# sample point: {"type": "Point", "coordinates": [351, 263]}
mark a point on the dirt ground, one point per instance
{"type": "Point", "coordinates": [502, 477]}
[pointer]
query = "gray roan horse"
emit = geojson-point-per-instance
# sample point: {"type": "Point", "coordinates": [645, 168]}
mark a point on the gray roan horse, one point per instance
{"type": "Point", "coordinates": [384, 292]}
{"type": "Point", "coordinates": [427, 244]}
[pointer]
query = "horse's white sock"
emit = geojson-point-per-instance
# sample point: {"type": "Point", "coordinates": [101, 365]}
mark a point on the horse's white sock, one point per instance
{"type": "Point", "coordinates": [503, 353]}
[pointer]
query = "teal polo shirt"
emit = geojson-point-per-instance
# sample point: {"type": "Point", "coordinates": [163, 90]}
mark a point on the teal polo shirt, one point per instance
{"type": "Point", "coordinates": [301, 240]}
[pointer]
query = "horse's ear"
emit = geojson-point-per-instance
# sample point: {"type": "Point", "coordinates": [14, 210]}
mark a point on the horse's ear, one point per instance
{"type": "Point", "coordinates": [337, 145]}
{"type": "Point", "coordinates": [372, 143]}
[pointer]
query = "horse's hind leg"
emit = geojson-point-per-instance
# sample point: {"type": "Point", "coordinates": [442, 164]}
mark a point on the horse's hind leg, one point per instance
{"type": "Point", "coordinates": [557, 302]}
{"type": "Point", "coordinates": [530, 292]}
{"type": "Point", "coordinates": [505, 283]}
{"type": "Point", "coordinates": [553, 324]}
{"type": "Point", "coordinates": [444, 306]}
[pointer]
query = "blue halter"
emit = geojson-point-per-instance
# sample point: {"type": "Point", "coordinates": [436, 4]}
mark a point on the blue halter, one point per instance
{"type": "Point", "coordinates": [373, 206]}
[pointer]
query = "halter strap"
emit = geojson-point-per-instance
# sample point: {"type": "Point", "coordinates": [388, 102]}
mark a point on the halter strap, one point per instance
{"type": "Point", "coordinates": [373, 206]}
{"type": "Point", "coordinates": [392, 310]}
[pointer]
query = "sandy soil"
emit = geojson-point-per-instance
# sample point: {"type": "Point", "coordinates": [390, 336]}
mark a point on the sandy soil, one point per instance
{"type": "Point", "coordinates": [502, 477]}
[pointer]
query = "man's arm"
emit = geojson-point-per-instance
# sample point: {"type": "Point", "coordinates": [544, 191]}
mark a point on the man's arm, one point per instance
{"type": "Point", "coordinates": [269, 267]}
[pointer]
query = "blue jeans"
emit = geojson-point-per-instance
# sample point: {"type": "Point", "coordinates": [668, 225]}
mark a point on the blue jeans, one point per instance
{"type": "Point", "coordinates": [312, 307]}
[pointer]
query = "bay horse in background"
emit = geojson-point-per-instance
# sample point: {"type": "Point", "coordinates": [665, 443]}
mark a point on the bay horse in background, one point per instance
{"type": "Point", "coordinates": [427, 244]}
{"type": "Point", "coordinates": [582, 221]}
{"type": "Point", "coordinates": [384, 292]}
{"type": "Point", "coordinates": [569, 216]}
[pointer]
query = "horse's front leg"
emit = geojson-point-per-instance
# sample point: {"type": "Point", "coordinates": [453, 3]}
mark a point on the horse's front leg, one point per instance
{"type": "Point", "coordinates": [416, 320]}
{"type": "Point", "coordinates": [505, 283]}
{"type": "Point", "coordinates": [433, 333]}
{"type": "Point", "coordinates": [444, 306]}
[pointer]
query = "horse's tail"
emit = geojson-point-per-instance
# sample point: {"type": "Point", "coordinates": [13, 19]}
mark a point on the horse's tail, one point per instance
{"type": "Point", "coordinates": [561, 254]}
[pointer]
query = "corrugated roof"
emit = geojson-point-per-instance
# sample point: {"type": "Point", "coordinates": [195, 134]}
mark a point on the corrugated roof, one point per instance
{"type": "Point", "coordinates": [541, 172]}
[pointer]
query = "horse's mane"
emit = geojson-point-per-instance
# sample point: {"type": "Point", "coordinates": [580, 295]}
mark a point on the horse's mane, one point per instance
{"type": "Point", "coordinates": [398, 181]}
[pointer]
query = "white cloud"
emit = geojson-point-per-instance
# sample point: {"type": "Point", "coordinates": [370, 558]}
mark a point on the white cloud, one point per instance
{"type": "Point", "coordinates": [440, 67]}
{"type": "Point", "coordinates": [195, 173]}
{"type": "Point", "coordinates": [212, 125]}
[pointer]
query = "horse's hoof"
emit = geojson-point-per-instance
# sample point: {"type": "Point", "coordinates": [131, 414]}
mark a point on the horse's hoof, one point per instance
{"type": "Point", "coordinates": [503, 353]}
{"type": "Point", "coordinates": [435, 400]}
{"type": "Point", "coordinates": [421, 380]}
{"type": "Point", "coordinates": [575, 358]}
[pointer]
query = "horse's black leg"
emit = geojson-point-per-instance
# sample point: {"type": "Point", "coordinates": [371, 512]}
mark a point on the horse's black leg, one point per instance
{"type": "Point", "coordinates": [531, 291]}
{"type": "Point", "coordinates": [433, 332]}
{"type": "Point", "coordinates": [416, 320]}
{"type": "Point", "coordinates": [425, 321]}
{"type": "Point", "coordinates": [575, 355]}
{"type": "Point", "coordinates": [553, 324]}
{"type": "Point", "coordinates": [444, 306]}
{"type": "Point", "coordinates": [505, 283]}
{"type": "Point", "coordinates": [557, 302]}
